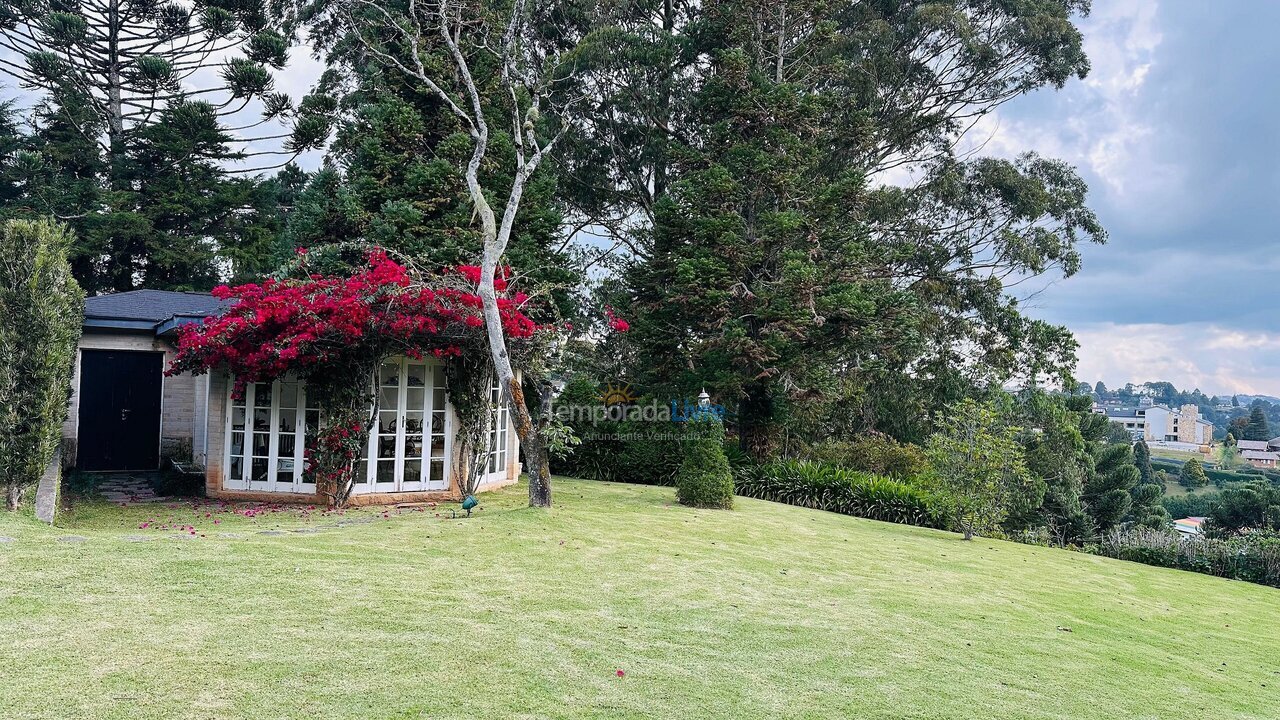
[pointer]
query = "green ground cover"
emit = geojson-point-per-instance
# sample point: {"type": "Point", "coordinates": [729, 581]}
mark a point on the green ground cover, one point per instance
{"type": "Point", "coordinates": [764, 611]}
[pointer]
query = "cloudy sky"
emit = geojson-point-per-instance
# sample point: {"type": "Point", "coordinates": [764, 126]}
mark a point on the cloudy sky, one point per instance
{"type": "Point", "coordinates": [1175, 131]}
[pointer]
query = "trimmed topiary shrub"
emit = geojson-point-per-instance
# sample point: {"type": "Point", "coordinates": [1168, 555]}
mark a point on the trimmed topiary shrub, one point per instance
{"type": "Point", "coordinates": [704, 478]}
{"type": "Point", "coordinates": [828, 487]}
{"type": "Point", "coordinates": [41, 307]}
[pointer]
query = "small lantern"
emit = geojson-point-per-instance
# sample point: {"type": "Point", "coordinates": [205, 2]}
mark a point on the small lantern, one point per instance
{"type": "Point", "coordinates": [704, 400]}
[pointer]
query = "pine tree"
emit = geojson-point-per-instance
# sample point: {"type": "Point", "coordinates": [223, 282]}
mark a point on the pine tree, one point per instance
{"type": "Point", "coordinates": [769, 260]}
{"type": "Point", "coordinates": [1107, 493]}
{"type": "Point", "coordinates": [1257, 429]}
{"type": "Point", "coordinates": [1192, 474]}
{"type": "Point", "coordinates": [137, 125]}
{"type": "Point", "coordinates": [1142, 458]}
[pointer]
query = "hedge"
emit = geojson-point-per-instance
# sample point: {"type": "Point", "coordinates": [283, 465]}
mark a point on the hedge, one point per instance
{"type": "Point", "coordinates": [1252, 559]}
{"type": "Point", "coordinates": [828, 487]}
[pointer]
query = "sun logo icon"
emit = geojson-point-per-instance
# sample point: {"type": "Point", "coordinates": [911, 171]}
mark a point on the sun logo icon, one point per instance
{"type": "Point", "coordinates": [617, 394]}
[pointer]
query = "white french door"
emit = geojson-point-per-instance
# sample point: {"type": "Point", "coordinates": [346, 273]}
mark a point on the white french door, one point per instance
{"type": "Point", "coordinates": [409, 443]}
{"type": "Point", "coordinates": [268, 431]}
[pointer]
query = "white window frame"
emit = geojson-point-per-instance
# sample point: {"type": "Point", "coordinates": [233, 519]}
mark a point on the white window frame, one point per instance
{"type": "Point", "coordinates": [427, 481]}
{"type": "Point", "coordinates": [498, 442]}
{"type": "Point", "coordinates": [298, 483]}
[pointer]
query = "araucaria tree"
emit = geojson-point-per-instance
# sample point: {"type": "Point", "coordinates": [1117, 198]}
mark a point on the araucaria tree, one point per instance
{"type": "Point", "coordinates": [333, 332]}
{"type": "Point", "coordinates": [489, 66]}
{"type": "Point", "coordinates": [978, 467]}
{"type": "Point", "coordinates": [140, 113]}
{"type": "Point", "coordinates": [40, 313]}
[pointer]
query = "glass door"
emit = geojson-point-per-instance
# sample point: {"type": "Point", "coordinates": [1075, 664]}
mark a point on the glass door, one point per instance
{"type": "Point", "coordinates": [409, 446]}
{"type": "Point", "coordinates": [264, 451]}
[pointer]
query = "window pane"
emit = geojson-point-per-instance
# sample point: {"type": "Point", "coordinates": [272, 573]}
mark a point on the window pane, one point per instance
{"type": "Point", "coordinates": [285, 446]}
{"type": "Point", "coordinates": [412, 470]}
{"type": "Point", "coordinates": [416, 375]}
{"type": "Point", "coordinates": [262, 419]}
{"type": "Point", "coordinates": [259, 469]}
{"type": "Point", "coordinates": [437, 398]}
{"type": "Point", "coordinates": [237, 418]}
{"type": "Point", "coordinates": [437, 422]}
{"type": "Point", "coordinates": [390, 374]}
{"type": "Point", "coordinates": [362, 471]}
{"type": "Point", "coordinates": [386, 471]}
{"type": "Point", "coordinates": [415, 398]}
{"type": "Point", "coordinates": [262, 395]}
{"type": "Point", "coordinates": [413, 446]}
{"type": "Point", "coordinates": [387, 422]}
{"type": "Point", "coordinates": [437, 446]}
{"type": "Point", "coordinates": [288, 420]}
{"type": "Point", "coordinates": [387, 447]}
{"type": "Point", "coordinates": [437, 471]}
{"type": "Point", "coordinates": [389, 398]}
{"type": "Point", "coordinates": [289, 395]}
{"type": "Point", "coordinates": [413, 422]}
{"type": "Point", "coordinates": [237, 443]}
{"type": "Point", "coordinates": [237, 468]}
{"type": "Point", "coordinates": [261, 444]}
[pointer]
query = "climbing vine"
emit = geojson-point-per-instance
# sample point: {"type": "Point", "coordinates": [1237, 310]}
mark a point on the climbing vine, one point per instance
{"type": "Point", "coordinates": [333, 332]}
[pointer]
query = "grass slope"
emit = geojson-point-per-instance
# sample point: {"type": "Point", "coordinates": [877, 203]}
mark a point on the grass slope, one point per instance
{"type": "Point", "coordinates": [764, 611]}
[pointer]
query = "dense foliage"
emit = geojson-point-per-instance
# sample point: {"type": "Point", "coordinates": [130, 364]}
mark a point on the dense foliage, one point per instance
{"type": "Point", "coordinates": [40, 315]}
{"type": "Point", "coordinates": [977, 469]}
{"type": "Point", "coordinates": [824, 486]}
{"type": "Point", "coordinates": [1253, 559]}
{"type": "Point", "coordinates": [139, 117]}
{"type": "Point", "coordinates": [1192, 474]}
{"type": "Point", "coordinates": [772, 266]}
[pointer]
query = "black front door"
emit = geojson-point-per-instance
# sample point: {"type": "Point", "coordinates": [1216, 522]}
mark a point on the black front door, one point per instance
{"type": "Point", "coordinates": [119, 410]}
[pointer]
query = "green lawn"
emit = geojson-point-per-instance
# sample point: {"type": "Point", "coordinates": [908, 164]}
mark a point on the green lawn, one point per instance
{"type": "Point", "coordinates": [765, 611]}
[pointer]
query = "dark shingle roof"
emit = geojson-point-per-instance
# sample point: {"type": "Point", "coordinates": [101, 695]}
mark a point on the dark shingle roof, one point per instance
{"type": "Point", "coordinates": [150, 309]}
{"type": "Point", "coordinates": [153, 305]}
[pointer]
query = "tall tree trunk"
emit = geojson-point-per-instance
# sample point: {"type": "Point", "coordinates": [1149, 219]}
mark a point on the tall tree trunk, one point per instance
{"type": "Point", "coordinates": [13, 496]}
{"type": "Point", "coordinates": [758, 434]}
{"type": "Point", "coordinates": [122, 255]}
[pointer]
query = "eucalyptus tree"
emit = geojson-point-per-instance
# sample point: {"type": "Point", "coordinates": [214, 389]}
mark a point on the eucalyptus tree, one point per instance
{"type": "Point", "coordinates": [171, 95]}
{"type": "Point", "coordinates": [500, 71]}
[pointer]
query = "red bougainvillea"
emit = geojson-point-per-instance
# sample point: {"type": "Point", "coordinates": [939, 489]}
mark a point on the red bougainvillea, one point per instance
{"type": "Point", "coordinates": [333, 332]}
{"type": "Point", "coordinates": [279, 326]}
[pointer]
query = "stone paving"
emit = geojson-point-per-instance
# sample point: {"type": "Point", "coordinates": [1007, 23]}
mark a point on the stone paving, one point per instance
{"type": "Point", "coordinates": [129, 488]}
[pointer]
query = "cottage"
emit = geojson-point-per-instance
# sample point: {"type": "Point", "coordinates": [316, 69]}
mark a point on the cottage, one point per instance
{"type": "Point", "coordinates": [1263, 459]}
{"type": "Point", "coordinates": [126, 415]}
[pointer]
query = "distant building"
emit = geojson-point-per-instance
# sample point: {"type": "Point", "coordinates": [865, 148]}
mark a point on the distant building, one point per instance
{"type": "Point", "coordinates": [1188, 526]}
{"type": "Point", "coordinates": [1264, 459]}
{"type": "Point", "coordinates": [1159, 423]}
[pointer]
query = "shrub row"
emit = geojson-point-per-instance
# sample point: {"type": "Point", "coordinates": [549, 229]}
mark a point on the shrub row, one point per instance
{"type": "Point", "coordinates": [1253, 559]}
{"type": "Point", "coordinates": [828, 487]}
{"type": "Point", "coordinates": [646, 453]}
